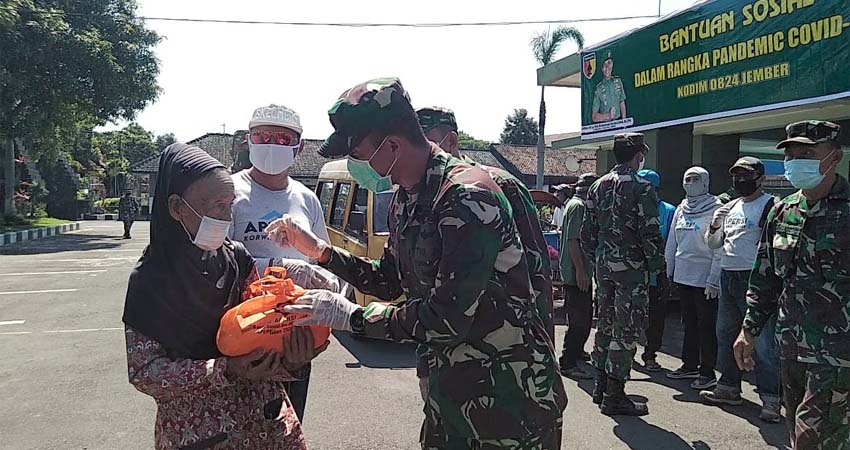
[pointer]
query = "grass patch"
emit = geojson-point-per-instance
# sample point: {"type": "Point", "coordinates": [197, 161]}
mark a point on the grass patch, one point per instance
{"type": "Point", "coordinates": [19, 223]}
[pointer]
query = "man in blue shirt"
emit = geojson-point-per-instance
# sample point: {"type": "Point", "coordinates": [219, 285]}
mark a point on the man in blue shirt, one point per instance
{"type": "Point", "coordinates": [657, 302]}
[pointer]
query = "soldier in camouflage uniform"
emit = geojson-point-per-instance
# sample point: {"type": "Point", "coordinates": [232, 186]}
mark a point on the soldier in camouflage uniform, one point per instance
{"type": "Point", "coordinates": [802, 273]}
{"type": "Point", "coordinates": [622, 234]}
{"type": "Point", "coordinates": [128, 208]}
{"type": "Point", "coordinates": [609, 97]}
{"type": "Point", "coordinates": [439, 126]}
{"type": "Point", "coordinates": [455, 253]}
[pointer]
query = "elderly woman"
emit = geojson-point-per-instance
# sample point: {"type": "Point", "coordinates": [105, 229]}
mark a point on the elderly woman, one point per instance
{"type": "Point", "coordinates": [189, 275]}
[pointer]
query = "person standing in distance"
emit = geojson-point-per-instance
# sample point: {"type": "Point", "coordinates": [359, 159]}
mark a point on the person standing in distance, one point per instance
{"type": "Point", "coordinates": [622, 234]}
{"type": "Point", "coordinates": [265, 192]}
{"type": "Point", "coordinates": [455, 253]}
{"type": "Point", "coordinates": [577, 275]}
{"type": "Point", "coordinates": [736, 229]}
{"type": "Point", "coordinates": [128, 208]}
{"type": "Point", "coordinates": [802, 276]}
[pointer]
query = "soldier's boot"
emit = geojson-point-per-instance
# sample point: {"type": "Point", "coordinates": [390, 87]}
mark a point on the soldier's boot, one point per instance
{"type": "Point", "coordinates": [599, 386]}
{"type": "Point", "coordinates": [616, 403]}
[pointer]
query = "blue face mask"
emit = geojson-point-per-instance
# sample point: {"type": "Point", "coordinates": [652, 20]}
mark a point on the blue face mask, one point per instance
{"type": "Point", "coordinates": [804, 173]}
{"type": "Point", "coordinates": [365, 175]}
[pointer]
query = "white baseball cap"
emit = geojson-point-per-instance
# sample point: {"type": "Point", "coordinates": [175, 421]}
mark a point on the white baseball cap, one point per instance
{"type": "Point", "coordinates": [276, 115]}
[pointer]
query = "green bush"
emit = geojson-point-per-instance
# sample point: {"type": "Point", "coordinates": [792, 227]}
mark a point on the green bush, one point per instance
{"type": "Point", "coordinates": [107, 205]}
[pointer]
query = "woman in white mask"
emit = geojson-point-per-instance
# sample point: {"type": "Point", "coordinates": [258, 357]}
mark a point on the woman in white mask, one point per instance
{"type": "Point", "coordinates": [189, 275]}
{"type": "Point", "coordinates": [695, 269]}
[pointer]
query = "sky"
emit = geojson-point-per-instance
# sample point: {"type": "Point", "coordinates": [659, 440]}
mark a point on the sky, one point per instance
{"type": "Point", "coordinates": [213, 76]}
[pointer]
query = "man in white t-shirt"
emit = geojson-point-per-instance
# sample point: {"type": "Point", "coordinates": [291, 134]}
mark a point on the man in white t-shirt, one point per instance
{"type": "Point", "coordinates": [736, 228]}
{"type": "Point", "coordinates": [265, 192]}
{"type": "Point", "coordinates": [563, 192]}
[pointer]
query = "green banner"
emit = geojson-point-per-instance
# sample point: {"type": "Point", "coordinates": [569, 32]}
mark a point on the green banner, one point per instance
{"type": "Point", "coordinates": [719, 58]}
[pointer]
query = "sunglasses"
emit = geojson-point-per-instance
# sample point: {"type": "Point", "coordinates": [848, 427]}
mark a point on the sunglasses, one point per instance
{"type": "Point", "coordinates": [288, 138]}
{"type": "Point", "coordinates": [817, 132]}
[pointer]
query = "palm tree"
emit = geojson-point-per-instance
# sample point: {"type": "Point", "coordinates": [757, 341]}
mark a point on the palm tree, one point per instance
{"type": "Point", "coordinates": [545, 46]}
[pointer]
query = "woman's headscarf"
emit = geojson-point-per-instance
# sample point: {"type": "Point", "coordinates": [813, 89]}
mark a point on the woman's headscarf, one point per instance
{"type": "Point", "coordinates": [703, 201]}
{"type": "Point", "coordinates": [178, 293]}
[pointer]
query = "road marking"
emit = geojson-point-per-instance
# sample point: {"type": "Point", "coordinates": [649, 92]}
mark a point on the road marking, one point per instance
{"type": "Point", "coordinates": [83, 330]}
{"type": "Point", "coordinates": [13, 322]}
{"type": "Point", "coordinates": [47, 291]}
{"type": "Point", "coordinates": [11, 333]}
{"type": "Point", "coordinates": [68, 272]}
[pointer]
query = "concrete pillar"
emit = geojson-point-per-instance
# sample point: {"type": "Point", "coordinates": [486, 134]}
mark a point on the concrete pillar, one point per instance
{"type": "Point", "coordinates": [671, 153]}
{"type": "Point", "coordinates": [604, 161]}
{"type": "Point", "coordinates": [717, 154]}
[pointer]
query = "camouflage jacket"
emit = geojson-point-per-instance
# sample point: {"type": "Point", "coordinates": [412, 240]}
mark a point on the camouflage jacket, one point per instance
{"type": "Point", "coordinates": [127, 208]}
{"type": "Point", "coordinates": [527, 223]}
{"type": "Point", "coordinates": [802, 273]}
{"type": "Point", "coordinates": [455, 253]}
{"type": "Point", "coordinates": [621, 230]}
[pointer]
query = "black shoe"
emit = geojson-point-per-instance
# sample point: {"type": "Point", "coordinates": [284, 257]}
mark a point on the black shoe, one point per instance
{"type": "Point", "coordinates": [616, 403]}
{"type": "Point", "coordinates": [576, 373]}
{"type": "Point", "coordinates": [683, 373]}
{"type": "Point", "coordinates": [599, 386]}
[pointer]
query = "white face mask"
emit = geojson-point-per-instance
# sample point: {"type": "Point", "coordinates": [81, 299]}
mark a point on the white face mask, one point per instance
{"type": "Point", "coordinates": [212, 232]}
{"type": "Point", "coordinates": [272, 159]}
{"type": "Point", "coordinates": [642, 163]}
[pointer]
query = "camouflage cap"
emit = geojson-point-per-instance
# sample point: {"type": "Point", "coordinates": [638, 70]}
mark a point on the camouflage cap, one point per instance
{"type": "Point", "coordinates": [748, 164]}
{"type": "Point", "coordinates": [359, 109]}
{"type": "Point", "coordinates": [810, 132]}
{"type": "Point", "coordinates": [629, 141]}
{"type": "Point", "coordinates": [435, 116]}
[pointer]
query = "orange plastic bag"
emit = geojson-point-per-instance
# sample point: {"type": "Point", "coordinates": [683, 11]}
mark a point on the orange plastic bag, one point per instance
{"type": "Point", "coordinates": [260, 321]}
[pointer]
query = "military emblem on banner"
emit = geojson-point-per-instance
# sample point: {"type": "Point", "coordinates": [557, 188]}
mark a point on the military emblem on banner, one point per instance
{"type": "Point", "coordinates": [589, 64]}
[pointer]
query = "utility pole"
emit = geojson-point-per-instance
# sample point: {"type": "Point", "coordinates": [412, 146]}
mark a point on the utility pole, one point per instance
{"type": "Point", "coordinates": [659, 8]}
{"type": "Point", "coordinates": [223, 129]}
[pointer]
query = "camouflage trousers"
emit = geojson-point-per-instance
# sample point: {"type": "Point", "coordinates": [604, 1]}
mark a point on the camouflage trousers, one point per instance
{"type": "Point", "coordinates": [817, 404]}
{"type": "Point", "coordinates": [547, 439]}
{"type": "Point", "coordinates": [621, 316]}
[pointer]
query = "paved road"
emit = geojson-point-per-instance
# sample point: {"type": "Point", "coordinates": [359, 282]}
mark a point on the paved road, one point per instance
{"type": "Point", "coordinates": [63, 381]}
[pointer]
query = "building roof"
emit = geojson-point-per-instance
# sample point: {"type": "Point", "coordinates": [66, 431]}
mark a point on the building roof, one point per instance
{"type": "Point", "coordinates": [523, 158]}
{"type": "Point", "coordinates": [147, 165]}
{"type": "Point", "coordinates": [482, 156]}
{"type": "Point", "coordinates": [218, 145]}
{"type": "Point", "coordinates": [550, 138]}
{"type": "Point", "coordinates": [308, 163]}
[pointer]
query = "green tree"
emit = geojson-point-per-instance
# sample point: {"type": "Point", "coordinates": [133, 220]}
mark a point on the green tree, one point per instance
{"type": "Point", "coordinates": [467, 141]}
{"type": "Point", "coordinates": [164, 140]}
{"type": "Point", "coordinates": [545, 46]}
{"type": "Point", "coordinates": [520, 129]}
{"type": "Point", "coordinates": [63, 63]}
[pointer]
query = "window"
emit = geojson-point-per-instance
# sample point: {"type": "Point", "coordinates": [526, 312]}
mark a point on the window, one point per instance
{"type": "Point", "coordinates": [325, 192]}
{"type": "Point", "coordinates": [381, 211]}
{"type": "Point", "coordinates": [356, 226]}
{"type": "Point", "coordinates": [338, 212]}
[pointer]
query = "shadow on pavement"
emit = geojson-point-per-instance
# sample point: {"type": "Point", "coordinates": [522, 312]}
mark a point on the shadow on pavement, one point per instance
{"type": "Point", "coordinates": [63, 243]}
{"type": "Point", "coordinates": [638, 434]}
{"type": "Point", "coordinates": [376, 353]}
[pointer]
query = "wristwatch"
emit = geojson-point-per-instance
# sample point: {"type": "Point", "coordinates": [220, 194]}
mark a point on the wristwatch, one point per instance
{"type": "Point", "coordinates": [358, 325]}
